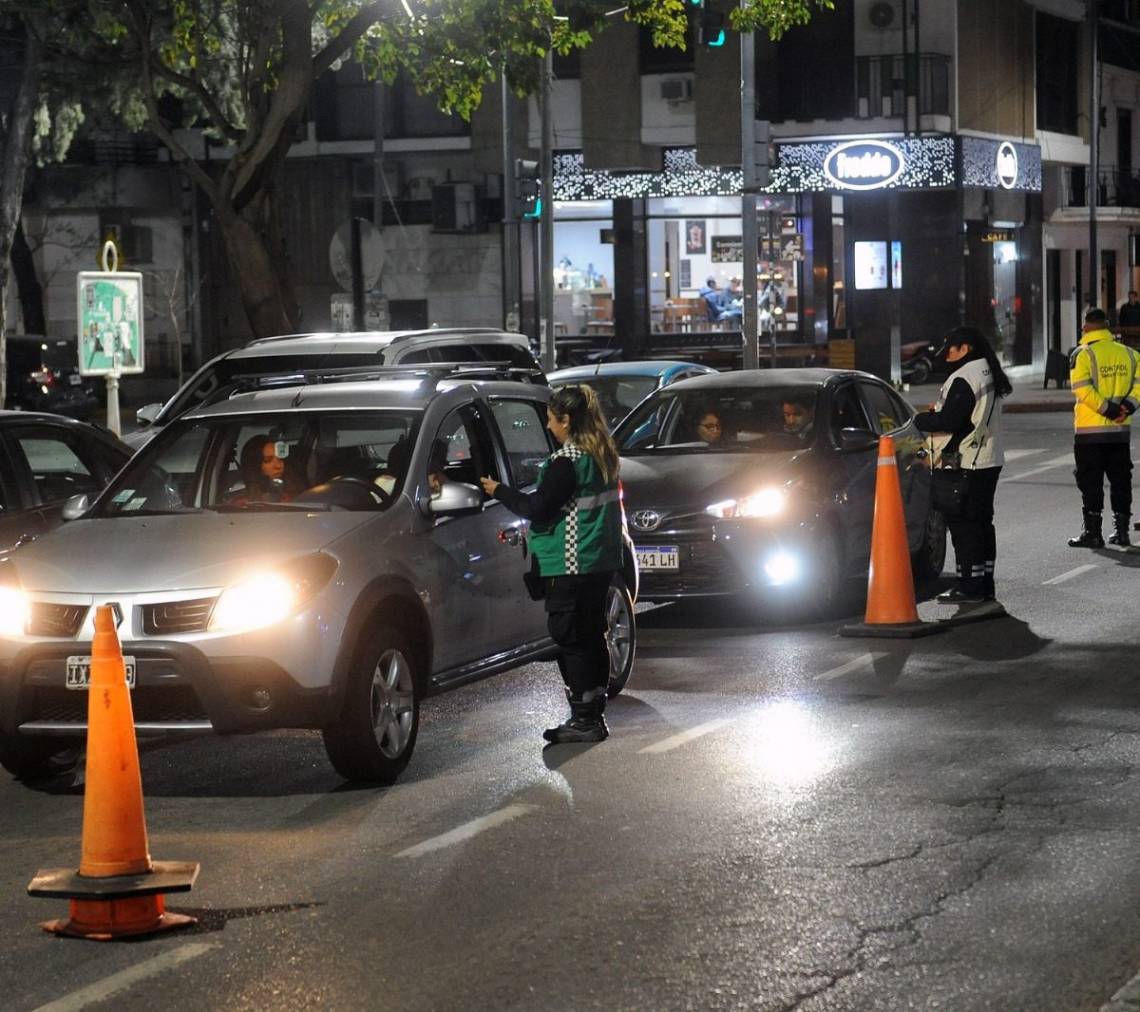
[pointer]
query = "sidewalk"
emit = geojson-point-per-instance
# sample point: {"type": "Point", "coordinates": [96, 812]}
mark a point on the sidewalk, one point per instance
{"type": "Point", "coordinates": [1027, 396]}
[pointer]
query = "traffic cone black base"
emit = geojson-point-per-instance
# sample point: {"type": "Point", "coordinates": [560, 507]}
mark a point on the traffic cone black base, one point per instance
{"type": "Point", "coordinates": [899, 631]}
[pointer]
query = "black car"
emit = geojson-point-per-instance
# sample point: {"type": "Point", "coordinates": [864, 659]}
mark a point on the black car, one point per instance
{"type": "Point", "coordinates": [43, 375]}
{"type": "Point", "coordinates": [44, 461]}
{"type": "Point", "coordinates": [774, 500]}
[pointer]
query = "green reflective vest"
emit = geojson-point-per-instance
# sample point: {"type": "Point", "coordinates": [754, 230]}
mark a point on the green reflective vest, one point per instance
{"type": "Point", "coordinates": [586, 536]}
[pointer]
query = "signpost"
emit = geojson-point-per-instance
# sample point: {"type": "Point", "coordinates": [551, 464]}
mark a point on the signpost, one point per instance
{"type": "Point", "coordinates": [110, 321]}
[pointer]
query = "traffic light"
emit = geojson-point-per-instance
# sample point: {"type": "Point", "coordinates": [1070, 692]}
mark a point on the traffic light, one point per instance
{"type": "Point", "coordinates": [763, 155]}
{"type": "Point", "coordinates": [528, 189]}
{"type": "Point", "coordinates": [710, 25]}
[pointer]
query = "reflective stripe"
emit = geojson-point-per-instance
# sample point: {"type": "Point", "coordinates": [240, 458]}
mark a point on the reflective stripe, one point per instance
{"type": "Point", "coordinates": [1092, 367]}
{"type": "Point", "coordinates": [588, 502]}
{"type": "Point", "coordinates": [1079, 384]}
{"type": "Point", "coordinates": [886, 462]}
{"type": "Point", "coordinates": [1096, 429]}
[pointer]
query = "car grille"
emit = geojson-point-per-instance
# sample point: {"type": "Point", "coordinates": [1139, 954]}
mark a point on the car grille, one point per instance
{"type": "Point", "coordinates": [149, 704]}
{"type": "Point", "coordinates": [57, 620]}
{"type": "Point", "coordinates": [177, 616]}
{"type": "Point", "coordinates": [704, 567]}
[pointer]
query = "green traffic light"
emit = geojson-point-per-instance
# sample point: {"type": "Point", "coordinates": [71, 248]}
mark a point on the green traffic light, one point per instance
{"type": "Point", "coordinates": [536, 212]}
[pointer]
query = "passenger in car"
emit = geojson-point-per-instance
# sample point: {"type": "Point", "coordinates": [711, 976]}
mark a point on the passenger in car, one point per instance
{"type": "Point", "coordinates": [437, 464]}
{"type": "Point", "coordinates": [264, 472]}
{"type": "Point", "coordinates": [395, 467]}
{"type": "Point", "coordinates": [709, 429]}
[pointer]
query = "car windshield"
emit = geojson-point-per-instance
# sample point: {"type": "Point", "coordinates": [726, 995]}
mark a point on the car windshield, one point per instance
{"type": "Point", "coordinates": [618, 395]}
{"type": "Point", "coordinates": [300, 460]}
{"type": "Point", "coordinates": [723, 420]}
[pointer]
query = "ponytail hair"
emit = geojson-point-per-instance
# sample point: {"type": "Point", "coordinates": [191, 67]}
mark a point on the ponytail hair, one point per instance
{"type": "Point", "coordinates": [588, 429]}
{"type": "Point", "coordinates": [980, 347]}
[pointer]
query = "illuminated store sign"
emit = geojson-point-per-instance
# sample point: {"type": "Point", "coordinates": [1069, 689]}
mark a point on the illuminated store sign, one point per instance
{"type": "Point", "coordinates": [863, 165]}
{"type": "Point", "coordinates": [1006, 166]}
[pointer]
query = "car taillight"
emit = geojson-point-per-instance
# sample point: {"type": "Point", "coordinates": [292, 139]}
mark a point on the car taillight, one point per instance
{"type": "Point", "coordinates": [45, 377]}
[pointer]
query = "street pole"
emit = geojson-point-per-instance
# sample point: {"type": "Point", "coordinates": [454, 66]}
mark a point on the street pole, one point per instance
{"type": "Point", "coordinates": [749, 320]}
{"type": "Point", "coordinates": [1094, 153]}
{"type": "Point", "coordinates": [511, 316]}
{"type": "Point", "coordinates": [546, 265]}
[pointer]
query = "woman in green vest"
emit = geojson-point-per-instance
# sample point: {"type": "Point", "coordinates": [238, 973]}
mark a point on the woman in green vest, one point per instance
{"type": "Point", "coordinates": [576, 536]}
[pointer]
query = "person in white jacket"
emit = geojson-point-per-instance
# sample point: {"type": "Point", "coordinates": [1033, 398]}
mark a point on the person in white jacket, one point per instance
{"type": "Point", "coordinates": [965, 425]}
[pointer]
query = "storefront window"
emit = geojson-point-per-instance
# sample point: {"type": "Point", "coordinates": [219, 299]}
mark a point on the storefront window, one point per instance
{"type": "Point", "coordinates": [1005, 294]}
{"type": "Point", "coordinates": [583, 268]}
{"type": "Point", "coordinates": [838, 268]}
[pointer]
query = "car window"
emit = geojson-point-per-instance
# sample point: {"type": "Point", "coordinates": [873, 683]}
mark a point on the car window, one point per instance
{"type": "Point", "coordinates": [887, 411]}
{"type": "Point", "coordinates": [724, 419]}
{"type": "Point", "coordinates": [618, 395]}
{"type": "Point", "coordinates": [59, 464]}
{"type": "Point", "coordinates": [847, 411]}
{"type": "Point", "coordinates": [522, 425]}
{"type": "Point", "coordinates": [461, 441]}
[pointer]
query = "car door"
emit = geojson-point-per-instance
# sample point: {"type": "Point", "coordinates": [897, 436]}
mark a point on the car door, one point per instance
{"type": "Point", "coordinates": [891, 415]}
{"type": "Point", "coordinates": [524, 442]}
{"type": "Point", "coordinates": [55, 462]}
{"type": "Point", "coordinates": [854, 490]}
{"type": "Point", "coordinates": [475, 576]}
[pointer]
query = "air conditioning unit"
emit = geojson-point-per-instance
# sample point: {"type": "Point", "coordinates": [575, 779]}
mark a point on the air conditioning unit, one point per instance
{"type": "Point", "coordinates": [677, 89]}
{"type": "Point", "coordinates": [881, 14]}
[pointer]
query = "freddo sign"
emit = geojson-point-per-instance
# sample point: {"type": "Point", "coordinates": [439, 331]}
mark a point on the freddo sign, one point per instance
{"type": "Point", "coordinates": [1006, 165]}
{"type": "Point", "coordinates": [863, 165]}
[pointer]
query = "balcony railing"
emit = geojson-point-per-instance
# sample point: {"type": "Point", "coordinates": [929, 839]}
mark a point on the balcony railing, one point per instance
{"type": "Point", "coordinates": [1115, 187]}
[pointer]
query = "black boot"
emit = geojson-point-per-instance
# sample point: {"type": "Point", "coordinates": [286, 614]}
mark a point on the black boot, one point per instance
{"type": "Point", "coordinates": [1091, 536]}
{"type": "Point", "coordinates": [1119, 536]}
{"type": "Point", "coordinates": [587, 723]}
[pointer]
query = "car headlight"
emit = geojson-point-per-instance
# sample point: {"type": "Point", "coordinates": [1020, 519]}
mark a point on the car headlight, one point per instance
{"type": "Point", "coordinates": [270, 596]}
{"type": "Point", "coordinates": [14, 611]}
{"type": "Point", "coordinates": [767, 502]}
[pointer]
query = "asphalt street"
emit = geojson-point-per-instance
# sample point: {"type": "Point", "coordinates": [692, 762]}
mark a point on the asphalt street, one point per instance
{"type": "Point", "coordinates": [782, 819]}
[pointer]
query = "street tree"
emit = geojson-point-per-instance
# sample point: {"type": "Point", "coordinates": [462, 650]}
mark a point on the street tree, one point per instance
{"type": "Point", "coordinates": [244, 70]}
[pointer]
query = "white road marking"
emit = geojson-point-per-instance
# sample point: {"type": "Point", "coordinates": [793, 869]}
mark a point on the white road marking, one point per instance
{"type": "Point", "coordinates": [1047, 466]}
{"type": "Point", "coordinates": [863, 661]}
{"type": "Point", "coordinates": [108, 987]}
{"type": "Point", "coordinates": [1069, 575]}
{"type": "Point", "coordinates": [1018, 454]}
{"type": "Point", "coordinates": [467, 830]}
{"type": "Point", "coordinates": [677, 740]}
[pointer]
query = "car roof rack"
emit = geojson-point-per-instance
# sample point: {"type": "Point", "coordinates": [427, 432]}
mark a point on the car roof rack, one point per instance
{"type": "Point", "coordinates": [431, 375]}
{"type": "Point", "coordinates": [396, 335]}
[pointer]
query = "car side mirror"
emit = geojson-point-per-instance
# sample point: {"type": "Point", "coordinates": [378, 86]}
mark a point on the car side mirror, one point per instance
{"type": "Point", "coordinates": [75, 507]}
{"type": "Point", "coordinates": [456, 498]}
{"type": "Point", "coordinates": [147, 414]}
{"type": "Point", "coordinates": [854, 440]}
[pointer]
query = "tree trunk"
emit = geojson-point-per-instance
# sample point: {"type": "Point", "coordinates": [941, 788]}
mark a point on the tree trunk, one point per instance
{"type": "Point", "coordinates": [257, 272]}
{"type": "Point", "coordinates": [15, 165]}
{"type": "Point", "coordinates": [28, 285]}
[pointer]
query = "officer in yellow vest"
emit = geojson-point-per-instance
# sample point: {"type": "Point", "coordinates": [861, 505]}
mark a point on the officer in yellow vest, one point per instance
{"type": "Point", "coordinates": [1103, 377]}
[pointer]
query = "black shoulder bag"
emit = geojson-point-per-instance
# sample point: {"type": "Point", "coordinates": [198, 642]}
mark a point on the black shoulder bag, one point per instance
{"type": "Point", "coordinates": [949, 480]}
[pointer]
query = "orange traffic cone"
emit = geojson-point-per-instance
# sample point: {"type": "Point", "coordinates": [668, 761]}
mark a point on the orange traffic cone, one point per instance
{"type": "Point", "coordinates": [118, 890]}
{"type": "Point", "coordinates": [891, 609]}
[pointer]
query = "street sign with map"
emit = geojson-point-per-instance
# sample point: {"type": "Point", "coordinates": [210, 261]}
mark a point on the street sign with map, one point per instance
{"type": "Point", "coordinates": [110, 320]}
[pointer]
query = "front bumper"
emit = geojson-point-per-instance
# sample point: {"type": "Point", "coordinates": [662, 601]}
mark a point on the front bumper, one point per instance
{"type": "Point", "coordinates": [178, 690]}
{"type": "Point", "coordinates": [721, 558]}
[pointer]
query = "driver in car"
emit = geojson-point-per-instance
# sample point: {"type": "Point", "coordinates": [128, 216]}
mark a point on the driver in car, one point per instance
{"type": "Point", "coordinates": [262, 465]}
{"type": "Point", "coordinates": [799, 416]}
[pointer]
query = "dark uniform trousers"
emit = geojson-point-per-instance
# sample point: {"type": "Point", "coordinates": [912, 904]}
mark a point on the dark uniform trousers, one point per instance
{"type": "Point", "coordinates": [576, 618]}
{"type": "Point", "coordinates": [972, 531]}
{"type": "Point", "coordinates": [1094, 462]}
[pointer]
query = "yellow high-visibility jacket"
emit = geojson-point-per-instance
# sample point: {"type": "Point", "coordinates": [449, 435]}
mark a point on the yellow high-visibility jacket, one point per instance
{"type": "Point", "coordinates": [1103, 376]}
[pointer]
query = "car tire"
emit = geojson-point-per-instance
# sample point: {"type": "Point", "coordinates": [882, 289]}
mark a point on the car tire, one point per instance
{"type": "Point", "coordinates": [928, 561]}
{"type": "Point", "coordinates": [621, 634]}
{"type": "Point", "coordinates": [29, 758]}
{"type": "Point", "coordinates": [376, 733]}
{"type": "Point", "coordinates": [828, 577]}
{"type": "Point", "coordinates": [919, 371]}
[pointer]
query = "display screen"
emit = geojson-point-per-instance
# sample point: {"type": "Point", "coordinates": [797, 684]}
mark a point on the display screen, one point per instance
{"type": "Point", "coordinates": [896, 264]}
{"type": "Point", "coordinates": [870, 265]}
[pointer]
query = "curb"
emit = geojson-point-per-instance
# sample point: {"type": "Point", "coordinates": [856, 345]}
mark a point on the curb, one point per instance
{"type": "Point", "coordinates": [1031, 407]}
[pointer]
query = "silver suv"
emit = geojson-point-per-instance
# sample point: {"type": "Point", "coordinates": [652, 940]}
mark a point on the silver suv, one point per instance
{"type": "Point", "coordinates": [372, 574]}
{"type": "Point", "coordinates": [219, 377]}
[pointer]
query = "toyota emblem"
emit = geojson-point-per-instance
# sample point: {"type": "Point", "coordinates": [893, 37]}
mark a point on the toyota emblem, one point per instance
{"type": "Point", "coordinates": [646, 520]}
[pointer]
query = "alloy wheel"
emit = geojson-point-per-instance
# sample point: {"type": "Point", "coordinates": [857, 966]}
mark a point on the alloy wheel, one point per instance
{"type": "Point", "coordinates": [392, 703]}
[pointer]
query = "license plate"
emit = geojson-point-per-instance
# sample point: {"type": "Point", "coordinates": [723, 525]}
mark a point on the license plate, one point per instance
{"type": "Point", "coordinates": [79, 672]}
{"type": "Point", "coordinates": [75, 379]}
{"type": "Point", "coordinates": [659, 558]}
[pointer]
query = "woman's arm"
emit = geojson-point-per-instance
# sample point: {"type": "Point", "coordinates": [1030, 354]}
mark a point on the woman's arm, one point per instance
{"type": "Point", "coordinates": [545, 503]}
{"type": "Point", "coordinates": [955, 414]}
